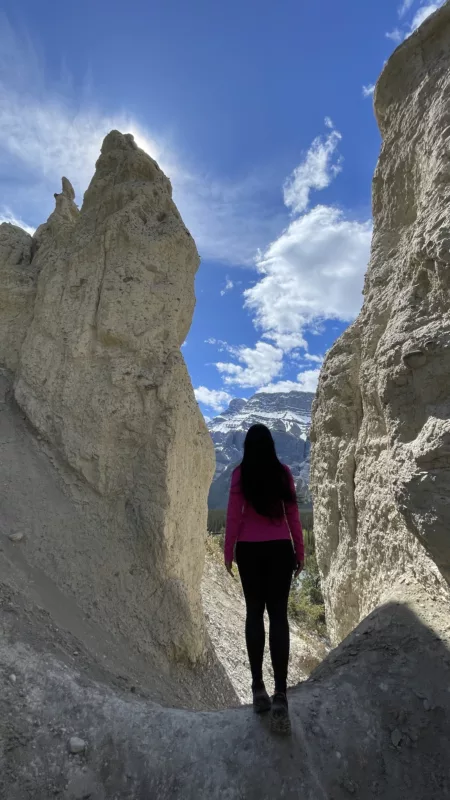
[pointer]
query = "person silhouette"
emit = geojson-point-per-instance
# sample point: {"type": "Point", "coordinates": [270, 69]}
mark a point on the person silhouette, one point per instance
{"type": "Point", "coordinates": [264, 535]}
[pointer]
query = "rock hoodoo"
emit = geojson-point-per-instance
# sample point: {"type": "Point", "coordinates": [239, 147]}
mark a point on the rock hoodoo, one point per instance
{"type": "Point", "coordinates": [381, 431]}
{"type": "Point", "coordinates": [95, 349]}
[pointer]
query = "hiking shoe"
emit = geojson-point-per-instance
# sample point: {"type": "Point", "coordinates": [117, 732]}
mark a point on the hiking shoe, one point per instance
{"type": "Point", "coordinates": [279, 717]}
{"type": "Point", "coordinates": [261, 700]}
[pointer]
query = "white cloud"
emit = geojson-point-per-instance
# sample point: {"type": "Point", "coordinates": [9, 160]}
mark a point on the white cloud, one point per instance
{"type": "Point", "coordinates": [306, 382]}
{"type": "Point", "coordinates": [287, 341]}
{"type": "Point", "coordinates": [220, 344]}
{"type": "Point", "coordinates": [6, 215]}
{"type": "Point", "coordinates": [216, 399]}
{"type": "Point", "coordinates": [313, 271]}
{"type": "Point", "coordinates": [405, 6]}
{"type": "Point", "coordinates": [61, 134]}
{"type": "Point", "coordinates": [56, 135]}
{"type": "Point", "coordinates": [368, 90]}
{"type": "Point", "coordinates": [396, 35]}
{"type": "Point", "coordinates": [256, 365]}
{"type": "Point", "coordinates": [423, 14]}
{"type": "Point", "coordinates": [316, 171]}
{"type": "Point", "coordinates": [316, 359]}
{"type": "Point", "coordinates": [228, 286]}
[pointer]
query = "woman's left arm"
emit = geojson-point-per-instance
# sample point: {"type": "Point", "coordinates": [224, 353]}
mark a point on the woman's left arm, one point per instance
{"type": "Point", "coordinates": [234, 516]}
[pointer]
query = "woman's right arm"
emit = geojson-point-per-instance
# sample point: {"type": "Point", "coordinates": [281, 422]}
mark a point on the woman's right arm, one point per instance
{"type": "Point", "coordinates": [234, 516]}
{"type": "Point", "coordinates": [295, 525]}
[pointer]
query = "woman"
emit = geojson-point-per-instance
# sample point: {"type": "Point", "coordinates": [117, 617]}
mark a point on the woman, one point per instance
{"type": "Point", "coordinates": [263, 528]}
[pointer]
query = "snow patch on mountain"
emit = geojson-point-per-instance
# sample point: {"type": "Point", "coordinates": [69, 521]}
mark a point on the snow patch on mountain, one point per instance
{"type": "Point", "coordinates": [287, 414]}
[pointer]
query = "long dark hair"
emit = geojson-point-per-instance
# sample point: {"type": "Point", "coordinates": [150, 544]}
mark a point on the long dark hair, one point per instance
{"type": "Point", "coordinates": [264, 480]}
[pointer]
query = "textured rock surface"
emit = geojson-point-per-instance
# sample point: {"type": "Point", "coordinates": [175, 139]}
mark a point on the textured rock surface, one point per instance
{"type": "Point", "coordinates": [74, 555]}
{"type": "Point", "coordinates": [381, 426]}
{"type": "Point", "coordinates": [17, 291]}
{"type": "Point", "coordinates": [102, 379]}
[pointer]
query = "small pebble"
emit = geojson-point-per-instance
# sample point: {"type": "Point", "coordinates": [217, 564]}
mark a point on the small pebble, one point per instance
{"type": "Point", "coordinates": [77, 745]}
{"type": "Point", "coordinates": [16, 537]}
{"type": "Point", "coordinates": [396, 737]}
{"type": "Point", "coordinates": [13, 678]}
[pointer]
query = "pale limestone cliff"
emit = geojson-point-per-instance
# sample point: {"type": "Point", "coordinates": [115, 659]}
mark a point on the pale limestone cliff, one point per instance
{"type": "Point", "coordinates": [101, 378]}
{"type": "Point", "coordinates": [17, 291]}
{"type": "Point", "coordinates": [381, 426]}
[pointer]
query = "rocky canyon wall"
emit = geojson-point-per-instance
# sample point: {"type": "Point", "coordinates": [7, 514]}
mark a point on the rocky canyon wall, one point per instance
{"type": "Point", "coordinates": [381, 425]}
{"type": "Point", "coordinates": [17, 291]}
{"type": "Point", "coordinates": [93, 311]}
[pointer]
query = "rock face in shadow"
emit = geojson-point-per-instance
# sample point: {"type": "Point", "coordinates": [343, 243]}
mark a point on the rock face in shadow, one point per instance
{"type": "Point", "coordinates": [374, 722]}
{"type": "Point", "coordinates": [17, 291]}
{"type": "Point", "coordinates": [101, 378]}
{"type": "Point", "coordinates": [381, 424]}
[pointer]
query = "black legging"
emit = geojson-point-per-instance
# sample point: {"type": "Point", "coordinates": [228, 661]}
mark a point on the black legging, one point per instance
{"type": "Point", "coordinates": [266, 573]}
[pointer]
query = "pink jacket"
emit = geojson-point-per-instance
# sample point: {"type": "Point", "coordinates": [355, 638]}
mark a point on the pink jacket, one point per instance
{"type": "Point", "coordinates": [246, 525]}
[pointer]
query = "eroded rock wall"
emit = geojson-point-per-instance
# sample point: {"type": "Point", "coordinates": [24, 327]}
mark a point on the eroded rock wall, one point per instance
{"type": "Point", "coordinates": [17, 291]}
{"type": "Point", "coordinates": [102, 379]}
{"type": "Point", "coordinates": [381, 424]}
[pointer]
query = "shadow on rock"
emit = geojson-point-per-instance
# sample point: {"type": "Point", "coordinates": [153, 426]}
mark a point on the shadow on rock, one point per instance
{"type": "Point", "coordinates": [373, 721]}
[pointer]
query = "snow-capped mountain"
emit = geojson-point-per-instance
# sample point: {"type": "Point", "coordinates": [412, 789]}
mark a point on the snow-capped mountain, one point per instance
{"type": "Point", "coordinates": [287, 414]}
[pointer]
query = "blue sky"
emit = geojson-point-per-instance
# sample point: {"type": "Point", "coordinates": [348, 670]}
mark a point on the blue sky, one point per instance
{"type": "Point", "coordinates": [260, 113]}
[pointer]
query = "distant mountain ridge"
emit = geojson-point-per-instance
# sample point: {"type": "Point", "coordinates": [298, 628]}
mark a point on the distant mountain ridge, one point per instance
{"type": "Point", "coordinates": [287, 414]}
